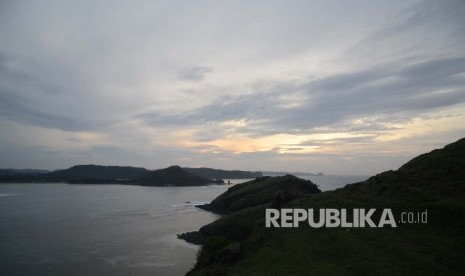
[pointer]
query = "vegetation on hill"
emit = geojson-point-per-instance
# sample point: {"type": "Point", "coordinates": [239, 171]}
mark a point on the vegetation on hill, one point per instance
{"type": "Point", "coordinates": [175, 176]}
{"type": "Point", "coordinates": [223, 174]}
{"type": "Point", "coordinates": [240, 244]}
{"type": "Point", "coordinates": [260, 191]}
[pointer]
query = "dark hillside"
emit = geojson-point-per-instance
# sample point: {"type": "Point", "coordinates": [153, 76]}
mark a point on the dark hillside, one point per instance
{"type": "Point", "coordinates": [261, 190]}
{"type": "Point", "coordinates": [433, 183]}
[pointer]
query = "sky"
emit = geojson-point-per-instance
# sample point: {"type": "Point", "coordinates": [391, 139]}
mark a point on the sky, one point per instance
{"type": "Point", "coordinates": [341, 87]}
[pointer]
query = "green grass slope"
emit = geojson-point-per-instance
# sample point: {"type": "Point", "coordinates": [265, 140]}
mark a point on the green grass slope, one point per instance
{"type": "Point", "coordinates": [240, 244]}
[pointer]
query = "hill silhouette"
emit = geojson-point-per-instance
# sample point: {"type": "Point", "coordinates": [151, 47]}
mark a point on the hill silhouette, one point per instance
{"type": "Point", "coordinates": [432, 183]}
{"type": "Point", "coordinates": [13, 172]}
{"type": "Point", "coordinates": [259, 191]}
{"type": "Point", "coordinates": [175, 176]}
{"type": "Point", "coordinates": [223, 174]}
{"type": "Point", "coordinates": [96, 172]}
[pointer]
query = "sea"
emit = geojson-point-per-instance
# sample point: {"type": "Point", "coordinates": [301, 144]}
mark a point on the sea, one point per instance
{"type": "Point", "coordinates": [63, 229]}
{"type": "Point", "coordinates": [332, 182]}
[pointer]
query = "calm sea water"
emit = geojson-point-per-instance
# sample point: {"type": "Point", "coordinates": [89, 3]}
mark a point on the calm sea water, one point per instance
{"type": "Point", "coordinates": [332, 182]}
{"type": "Point", "coordinates": [60, 229]}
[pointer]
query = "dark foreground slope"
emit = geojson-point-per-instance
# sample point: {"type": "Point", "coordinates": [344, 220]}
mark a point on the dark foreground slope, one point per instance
{"type": "Point", "coordinates": [257, 192]}
{"type": "Point", "coordinates": [175, 176]}
{"type": "Point", "coordinates": [240, 244]}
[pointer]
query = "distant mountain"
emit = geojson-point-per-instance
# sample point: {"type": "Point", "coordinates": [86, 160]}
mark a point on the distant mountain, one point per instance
{"type": "Point", "coordinates": [96, 172]}
{"type": "Point", "coordinates": [21, 172]}
{"type": "Point", "coordinates": [223, 174]}
{"type": "Point", "coordinates": [175, 176]}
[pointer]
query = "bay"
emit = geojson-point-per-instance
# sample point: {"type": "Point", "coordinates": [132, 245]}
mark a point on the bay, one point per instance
{"type": "Point", "coordinates": [60, 229]}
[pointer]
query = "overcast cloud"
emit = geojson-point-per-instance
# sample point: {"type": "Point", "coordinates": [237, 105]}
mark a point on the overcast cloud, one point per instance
{"type": "Point", "coordinates": [344, 87]}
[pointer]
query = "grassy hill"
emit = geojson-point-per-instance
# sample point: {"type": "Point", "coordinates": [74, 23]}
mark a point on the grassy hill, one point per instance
{"type": "Point", "coordinates": [240, 244]}
{"type": "Point", "coordinates": [257, 192]}
{"type": "Point", "coordinates": [260, 191]}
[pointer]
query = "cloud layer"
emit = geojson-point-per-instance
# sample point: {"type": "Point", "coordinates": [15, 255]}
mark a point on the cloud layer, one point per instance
{"type": "Point", "coordinates": [268, 85]}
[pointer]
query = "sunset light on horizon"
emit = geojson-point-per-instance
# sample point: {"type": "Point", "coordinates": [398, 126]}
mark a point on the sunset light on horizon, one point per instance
{"type": "Point", "coordinates": [341, 87]}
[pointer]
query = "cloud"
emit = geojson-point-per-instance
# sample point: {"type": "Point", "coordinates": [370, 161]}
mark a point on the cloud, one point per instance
{"type": "Point", "coordinates": [427, 14]}
{"type": "Point", "coordinates": [195, 73]}
{"type": "Point", "coordinates": [390, 89]}
{"type": "Point", "coordinates": [22, 110]}
{"type": "Point", "coordinates": [201, 81]}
